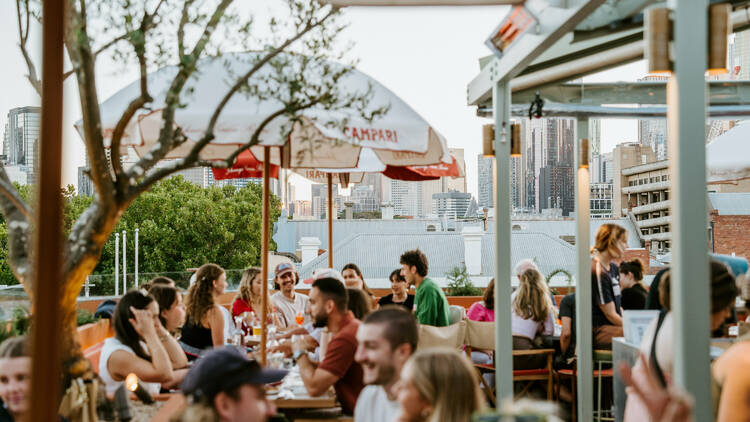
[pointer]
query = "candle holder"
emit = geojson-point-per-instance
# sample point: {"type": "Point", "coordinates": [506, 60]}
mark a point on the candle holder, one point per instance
{"type": "Point", "coordinates": [134, 385]}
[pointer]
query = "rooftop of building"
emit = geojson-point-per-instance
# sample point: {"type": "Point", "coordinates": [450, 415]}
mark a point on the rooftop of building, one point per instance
{"type": "Point", "coordinates": [643, 168]}
{"type": "Point", "coordinates": [730, 203]}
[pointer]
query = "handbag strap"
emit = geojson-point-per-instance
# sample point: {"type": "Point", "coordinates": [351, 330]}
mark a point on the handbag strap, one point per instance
{"type": "Point", "coordinates": [654, 362]}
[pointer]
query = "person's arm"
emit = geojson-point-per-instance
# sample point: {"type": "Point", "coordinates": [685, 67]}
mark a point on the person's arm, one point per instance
{"type": "Point", "coordinates": [548, 328]}
{"type": "Point", "coordinates": [566, 335]}
{"type": "Point", "coordinates": [122, 363]}
{"type": "Point", "coordinates": [610, 312]}
{"type": "Point", "coordinates": [175, 352]}
{"type": "Point", "coordinates": [734, 403]}
{"type": "Point", "coordinates": [317, 381]}
{"type": "Point", "coordinates": [216, 324]}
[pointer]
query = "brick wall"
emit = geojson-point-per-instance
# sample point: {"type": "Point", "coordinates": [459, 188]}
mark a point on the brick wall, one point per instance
{"type": "Point", "coordinates": [642, 254]}
{"type": "Point", "coordinates": [731, 234]}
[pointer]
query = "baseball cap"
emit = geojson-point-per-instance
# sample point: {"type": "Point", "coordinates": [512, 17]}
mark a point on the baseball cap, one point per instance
{"type": "Point", "coordinates": [223, 369]}
{"type": "Point", "coordinates": [283, 268]}
{"type": "Point", "coordinates": [325, 273]}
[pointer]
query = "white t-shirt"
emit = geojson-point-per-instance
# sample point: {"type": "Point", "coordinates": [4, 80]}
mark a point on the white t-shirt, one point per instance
{"type": "Point", "coordinates": [110, 346]}
{"type": "Point", "coordinates": [228, 324]}
{"type": "Point", "coordinates": [373, 405]}
{"type": "Point", "coordinates": [289, 308]}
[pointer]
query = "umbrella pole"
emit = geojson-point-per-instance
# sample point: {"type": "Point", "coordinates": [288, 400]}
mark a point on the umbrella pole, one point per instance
{"type": "Point", "coordinates": [330, 220]}
{"type": "Point", "coordinates": [264, 256]}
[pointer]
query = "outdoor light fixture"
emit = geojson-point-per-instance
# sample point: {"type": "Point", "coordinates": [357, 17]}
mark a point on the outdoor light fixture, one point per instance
{"type": "Point", "coordinates": [515, 24]}
{"type": "Point", "coordinates": [515, 140]}
{"type": "Point", "coordinates": [488, 140]}
{"type": "Point", "coordinates": [719, 29]}
{"type": "Point", "coordinates": [135, 386]}
{"type": "Point", "coordinates": [583, 153]}
{"type": "Point", "coordinates": [658, 37]}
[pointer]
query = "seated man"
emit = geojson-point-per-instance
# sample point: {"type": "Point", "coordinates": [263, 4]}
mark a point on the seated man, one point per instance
{"type": "Point", "coordinates": [431, 306]}
{"type": "Point", "coordinates": [387, 338]}
{"type": "Point", "coordinates": [328, 302]}
{"type": "Point", "coordinates": [226, 386]}
{"type": "Point", "coordinates": [288, 302]}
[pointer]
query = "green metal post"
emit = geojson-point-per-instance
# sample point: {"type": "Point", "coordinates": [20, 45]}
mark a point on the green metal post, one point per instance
{"type": "Point", "coordinates": [686, 116]}
{"type": "Point", "coordinates": [583, 282]}
{"type": "Point", "coordinates": [503, 333]}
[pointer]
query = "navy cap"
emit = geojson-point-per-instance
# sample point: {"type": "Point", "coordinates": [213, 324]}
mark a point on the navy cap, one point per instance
{"type": "Point", "coordinates": [223, 369]}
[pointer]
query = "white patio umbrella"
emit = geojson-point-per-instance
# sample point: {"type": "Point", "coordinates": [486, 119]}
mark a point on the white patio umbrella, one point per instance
{"type": "Point", "coordinates": [400, 137]}
{"type": "Point", "coordinates": [728, 155]}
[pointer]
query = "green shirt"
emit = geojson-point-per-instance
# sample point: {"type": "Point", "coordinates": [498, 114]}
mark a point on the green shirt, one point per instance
{"type": "Point", "coordinates": [431, 304]}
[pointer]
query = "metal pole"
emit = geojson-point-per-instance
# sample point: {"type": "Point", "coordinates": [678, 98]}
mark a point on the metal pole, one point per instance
{"type": "Point", "coordinates": [264, 253]}
{"type": "Point", "coordinates": [136, 258]}
{"type": "Point", "coordinates": [48, 254]}
{"type": "Point", "coordinates": [503, 332]}
{"type": "Point", "coordinates": [124, 262]}
{"type": "Point", "coordinates": [686, 117]}
{"type": "Point", "coordinates": [330, 220]}
{"type": "Point", "coordinates": [584, 344]}
{"type": "Point", "coordinates": [117, 264]}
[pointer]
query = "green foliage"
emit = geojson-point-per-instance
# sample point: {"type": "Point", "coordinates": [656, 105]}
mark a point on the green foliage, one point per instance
{"type": "Point", "coordinates": [182, 225]}
{"type": "Point", "coordinates": [560, 271]}
{"type": "Point", "coordinates": [459, 283]}
{"type": "Point", "coordinates": [85, 317]}
{"type": "Point", "coordinates": [21, 321]}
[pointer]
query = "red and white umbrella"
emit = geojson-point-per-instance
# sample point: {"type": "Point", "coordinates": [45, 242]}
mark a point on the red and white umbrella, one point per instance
{"type": "Point", "coordinates": [245, 166]}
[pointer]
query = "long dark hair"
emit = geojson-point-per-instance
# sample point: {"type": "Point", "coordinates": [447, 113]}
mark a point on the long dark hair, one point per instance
{"type": "Point", "coordinates": [489, 295]}
{"type": "Point", "coordinates": [352, 266]}
{"type": "Point", "coordinates": [124, 330]}
{"type": "Point", "coordinates": [200, 298]}
{"type": "Point", "coordinates": [165, 297]}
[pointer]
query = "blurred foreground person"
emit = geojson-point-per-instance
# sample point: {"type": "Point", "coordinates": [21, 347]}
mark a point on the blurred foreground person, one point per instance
{"type": "Point", "coordinates": [15, 370]}
{"type": "Point", "coordinates": [224, 385]}
{"type": "Point", "coordinates": [438, 385]}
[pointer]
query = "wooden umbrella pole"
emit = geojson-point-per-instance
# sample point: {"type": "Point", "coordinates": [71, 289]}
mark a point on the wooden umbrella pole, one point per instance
{"type": "Point", "coordinates": [264, 255]}
{"type": "Point", "coordinates": [47, 264]}
{"type": "Point", "coordinates": [330, 220]}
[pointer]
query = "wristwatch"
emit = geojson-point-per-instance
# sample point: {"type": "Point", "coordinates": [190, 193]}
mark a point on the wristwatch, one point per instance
{"type": "Point", "coordinates": [298, 354]}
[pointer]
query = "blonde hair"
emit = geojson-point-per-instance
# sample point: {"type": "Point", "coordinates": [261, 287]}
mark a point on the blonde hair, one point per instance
{"type": "Point", "coordinates": [448, 382]}
{"type": "Point", "coordinates": [245, 291]}
{"type": "Point", "coordinates": [532, 297]}
{"type": "Point", "coordinates": [607, 237]}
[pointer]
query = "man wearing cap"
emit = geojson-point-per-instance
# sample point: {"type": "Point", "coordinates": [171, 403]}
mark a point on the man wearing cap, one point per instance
{"type": "Point", "coordinates": [224, 385]}
{"type": "Point", "coordinates": [328, 303]}
{"type": "Point", "coordinates": [286, 300]}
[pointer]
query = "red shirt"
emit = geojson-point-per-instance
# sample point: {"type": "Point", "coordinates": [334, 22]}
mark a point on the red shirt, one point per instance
{"type": "Point", "coordinates": [239, 306]}
{"type": "Point", "coordinates": [339, 361]}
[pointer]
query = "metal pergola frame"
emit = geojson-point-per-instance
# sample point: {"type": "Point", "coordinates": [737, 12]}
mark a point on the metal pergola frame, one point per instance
{"type": "Point", "coordinates": [686, 113]}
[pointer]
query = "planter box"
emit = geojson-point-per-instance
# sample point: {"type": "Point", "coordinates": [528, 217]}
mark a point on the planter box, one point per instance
{"type": "Point", "coordinates": [93, 334]}
{"type": "Point", "coordinates": [464, 301]}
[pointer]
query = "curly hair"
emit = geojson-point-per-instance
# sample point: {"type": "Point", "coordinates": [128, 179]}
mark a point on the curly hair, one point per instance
{"type": "Point", "coordinates": [532, 298]}
{"type": "Point", "coordinates": [200, 298]}
{"type": "Point", "coordinates": [415, 258]}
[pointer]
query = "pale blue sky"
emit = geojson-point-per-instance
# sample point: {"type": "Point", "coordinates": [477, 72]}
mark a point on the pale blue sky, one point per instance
{"type": "Point", "coordinates": [425, 55]}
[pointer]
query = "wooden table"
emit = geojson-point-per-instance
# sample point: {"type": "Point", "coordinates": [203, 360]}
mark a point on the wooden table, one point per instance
{"type": "Point", "coordinates": [323, 402]}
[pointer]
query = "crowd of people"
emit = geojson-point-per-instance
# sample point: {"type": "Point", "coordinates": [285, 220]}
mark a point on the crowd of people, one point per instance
{"type": "Point", "coordinates": [342, 337]}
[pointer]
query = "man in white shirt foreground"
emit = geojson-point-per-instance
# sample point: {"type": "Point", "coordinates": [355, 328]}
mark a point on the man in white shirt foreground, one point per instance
{"type": "Point", "coordinates": [387, 338]}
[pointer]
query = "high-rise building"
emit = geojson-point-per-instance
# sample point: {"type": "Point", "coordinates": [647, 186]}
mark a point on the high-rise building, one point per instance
{"type": "Point", "coordinates": [556, 189]}
{"type": "Point", "coordinates": [601, 200]}
{"type": "Point", "coordinates": [625, 156]}
{"type": "Point", "coordinates": [740, 55]}
{"type": "Point", "coordinates": [485, 178]}
{"type": "Point", "coordinates": [21, 141]}
{"type": "Point", "coordinates": [319, 198]}
{"type": "Point", "coordinates": [85, 186]}
{"type": "Point", "coordinates": [595, 136]}
{"type": "Point", "coordinates": [451, 204]}
{"type": "Point", "coordinates": [407, 198]}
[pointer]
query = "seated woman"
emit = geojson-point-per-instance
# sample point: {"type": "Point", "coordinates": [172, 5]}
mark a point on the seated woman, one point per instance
{"type": "Point", "coordinates": [158, 281]}
{"type": "Point", "coordinates": [172, 318]}
{"type": "Point", "coordinates": [657, 345]}
{"type": "Point", "coordinates": [438, 385]}
{"type": "Point", "coordinates": [533, 314]}
{"type": "Point", "coordinates": [484, 310]}
{"type": "Point", "coordinates": [140, 346]}
{"type": "Point", "coordinates": [353, 278]}
{"type": "Point", "coordinates": [249, 296]}
{"type": "Point", "coordinates": [204, 325]}
{"type": "Point", "coordinates": [634, 291]}
{"type": "Point", "coordinates": [606, 312]}
{"type": "Point", "coordinates": [358, 303]}
{"type": "Point", "coordinates": [15, 371]}
{"type": "Point", "coordinates": [400, 295]}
